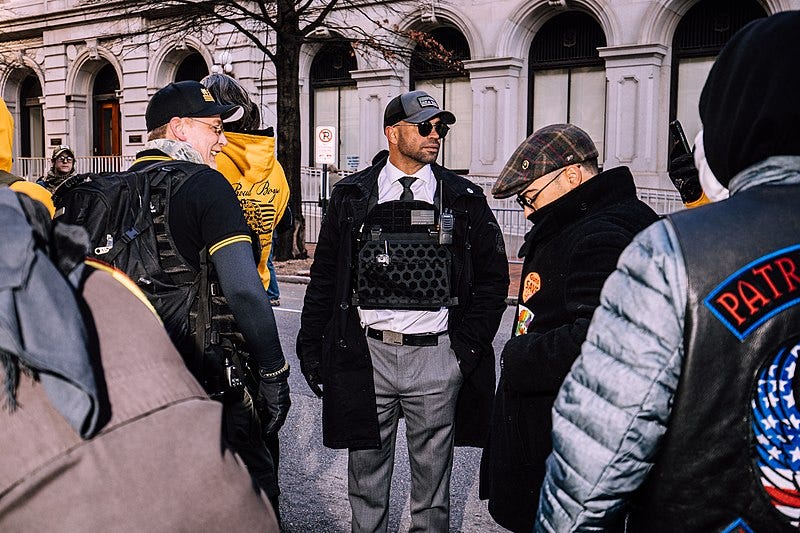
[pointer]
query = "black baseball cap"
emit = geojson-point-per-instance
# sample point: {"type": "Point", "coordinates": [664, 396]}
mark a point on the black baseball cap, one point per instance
{"type": "Point", "coordinates": [187, 99]}
{"type": "Point", "coordinates": [414, 107]}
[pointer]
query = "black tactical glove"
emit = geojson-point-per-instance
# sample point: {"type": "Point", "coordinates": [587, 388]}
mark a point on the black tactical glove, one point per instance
{"type": "Point", "coordinates": [684, 176]}
{"type": "Point", "coordinates": [310, 371]}
{"type": "Point", "coordinates": [273, 396]}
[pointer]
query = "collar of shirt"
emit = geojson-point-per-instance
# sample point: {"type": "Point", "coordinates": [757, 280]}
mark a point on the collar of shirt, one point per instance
{"type": "Point", "coordinates": [389, 187]}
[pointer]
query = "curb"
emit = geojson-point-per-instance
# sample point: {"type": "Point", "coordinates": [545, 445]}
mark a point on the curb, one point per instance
{"type": "Point", "coordinates": [294, 279]}
{"type": "Point", "coordinates": [305, 279]}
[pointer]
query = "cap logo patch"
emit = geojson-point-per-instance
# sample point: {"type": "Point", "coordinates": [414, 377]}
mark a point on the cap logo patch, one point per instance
{"type": "Point", "coordinates": [426, 101]}
{"type": "Point", "coordinates": [570, 157]}
{"type": "Point", "coordinates": [525, 164]}
{"type": "Point", "coordinates": [206, 95]}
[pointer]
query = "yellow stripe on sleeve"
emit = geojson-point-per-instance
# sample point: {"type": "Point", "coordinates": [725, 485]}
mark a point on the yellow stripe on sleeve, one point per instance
{"type": "Point", "coordinates": [229, 240]}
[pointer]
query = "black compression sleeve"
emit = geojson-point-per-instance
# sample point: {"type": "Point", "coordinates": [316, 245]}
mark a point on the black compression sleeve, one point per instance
{"type": "Point", "coordinates": [241, 285]}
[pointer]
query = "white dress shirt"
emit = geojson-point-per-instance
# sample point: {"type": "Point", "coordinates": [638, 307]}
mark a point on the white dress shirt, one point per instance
{"type": "Point", "coordinates": [408, 322]}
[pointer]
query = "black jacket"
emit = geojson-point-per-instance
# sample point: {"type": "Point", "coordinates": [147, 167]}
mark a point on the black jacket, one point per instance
{"type": "Point", "coordinates": [330, 331]}
{"type": "Point", "coordinates": [570, 251]}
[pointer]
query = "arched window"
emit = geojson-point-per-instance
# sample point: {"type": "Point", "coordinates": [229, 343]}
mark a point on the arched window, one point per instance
{"type": "Point", "coordinates": [107, 122]}
{"type": "Point", "coordinates": [192, 67]}
{"type": "Point", "coordinates": [334, 100]}
{"type": "Point", "coordinates": [699, 37]}
{"type": "Point", "coordinates": [566, 76]}
{"type": "Point", "coordinates": [31, 127]}
{"type": "Point", "coordinates": [450, 86]}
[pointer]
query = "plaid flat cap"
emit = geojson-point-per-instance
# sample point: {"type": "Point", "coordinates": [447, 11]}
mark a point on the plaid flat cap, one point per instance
{"type": "Point", "coordinates": [548, 149]}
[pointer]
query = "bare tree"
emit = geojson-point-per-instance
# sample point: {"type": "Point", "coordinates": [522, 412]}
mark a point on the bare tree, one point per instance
{"type": "Point", "coordinates": [291, 23]}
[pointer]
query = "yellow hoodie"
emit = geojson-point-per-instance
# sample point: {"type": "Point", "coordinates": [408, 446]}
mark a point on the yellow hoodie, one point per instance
{"type": "Point", "coordinates": [248, 162]}
{"type": "Point", "coordinates": [37, 192]}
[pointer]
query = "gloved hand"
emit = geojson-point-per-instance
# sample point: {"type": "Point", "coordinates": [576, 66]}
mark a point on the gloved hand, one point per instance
{"type": "Point", "coordinates": [273, 397]}
{"type": "Point", "coordinates": [684, 176]}
{"type": "Point", "coordinates": [310, 371]}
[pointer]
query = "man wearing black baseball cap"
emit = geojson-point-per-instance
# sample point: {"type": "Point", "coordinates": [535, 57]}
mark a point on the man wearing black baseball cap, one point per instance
{"type": "Point", "coordinates": [430, 285]}
{"type": "Point", "coordinates": [581, 220]}
{"type": "Point", "coordinates": [185, 124]}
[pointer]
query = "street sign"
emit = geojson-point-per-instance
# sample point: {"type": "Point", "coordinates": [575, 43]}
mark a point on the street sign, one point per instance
{"type": "Point", "coordinates": [325, 146]}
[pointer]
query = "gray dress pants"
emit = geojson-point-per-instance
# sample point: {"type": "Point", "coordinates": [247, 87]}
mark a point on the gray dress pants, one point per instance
{"type": "Point", "coordinates": [424, 381]}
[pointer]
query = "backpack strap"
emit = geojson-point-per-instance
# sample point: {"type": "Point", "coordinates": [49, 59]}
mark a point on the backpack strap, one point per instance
{"type": "Point", "coordinates": [7, 178]}
{"type": "Point", "coordinates": [143, 221]}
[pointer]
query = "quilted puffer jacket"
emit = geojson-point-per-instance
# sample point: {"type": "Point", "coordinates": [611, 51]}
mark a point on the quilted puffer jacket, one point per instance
{"type": "Point", "coordinates": [613, 409]}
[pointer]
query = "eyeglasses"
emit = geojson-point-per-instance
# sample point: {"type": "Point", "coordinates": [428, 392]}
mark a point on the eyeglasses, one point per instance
{"type": "Point", "coordinates": [218, 129]}
{"type": "Point", "coordinates": [65, 159]}
{"type": "Point", "coordinates": [425, 128]}
{"type": "Point", "coordinates": [524, 201]}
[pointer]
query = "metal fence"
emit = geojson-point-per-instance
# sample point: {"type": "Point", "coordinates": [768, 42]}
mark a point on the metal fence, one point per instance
{"type": "Point", "coordinates": [509, 215]}
{"type": "Point", "coordinates": [33, 168]}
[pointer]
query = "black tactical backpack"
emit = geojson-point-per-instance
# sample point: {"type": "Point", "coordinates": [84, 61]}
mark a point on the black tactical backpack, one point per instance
{"type": "Point", "coordinates": [125, 214]}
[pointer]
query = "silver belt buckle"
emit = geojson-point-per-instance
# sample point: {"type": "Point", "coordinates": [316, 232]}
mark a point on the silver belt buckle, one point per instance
{"type": "Point", "coordinates": [392, 337]}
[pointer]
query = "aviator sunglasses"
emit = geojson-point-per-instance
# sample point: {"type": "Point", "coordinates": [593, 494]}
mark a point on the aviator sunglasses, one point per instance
{"type": "Point", "coordinates": [425, 128]}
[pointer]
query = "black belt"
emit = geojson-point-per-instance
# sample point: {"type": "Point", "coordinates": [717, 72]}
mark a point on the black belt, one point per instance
{"type": "Point", "coordinates": [404, 339]}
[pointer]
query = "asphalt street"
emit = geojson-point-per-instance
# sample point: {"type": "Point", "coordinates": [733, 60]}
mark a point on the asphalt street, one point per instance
{"type": "Point", "coordinates": [313, 478]}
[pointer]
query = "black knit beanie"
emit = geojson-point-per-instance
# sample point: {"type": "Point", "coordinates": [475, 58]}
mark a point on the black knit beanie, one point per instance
{"type": "Point", "coordinates": [750, 104]}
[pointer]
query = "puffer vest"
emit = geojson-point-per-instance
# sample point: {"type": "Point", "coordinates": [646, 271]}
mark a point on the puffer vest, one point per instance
{"type": "Point", "coordinates": [730, 459]}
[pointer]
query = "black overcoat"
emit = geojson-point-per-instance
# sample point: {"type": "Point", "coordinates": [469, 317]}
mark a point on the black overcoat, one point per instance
{"type": "Point", "coordinates": [331, 334]}
{"type": "Point", "coordinates": [570, 251]}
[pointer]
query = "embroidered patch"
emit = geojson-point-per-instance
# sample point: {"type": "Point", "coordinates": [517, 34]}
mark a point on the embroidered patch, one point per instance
{"type": "Point", "coordinates": [531, 285]}
{"type": "Point", "coordinates": [206, 95]}
{"type": "Point", "coordinates": [427, 101]}
{"type": "Point", "coordinates": [524, 319]}
{"type": "Point", "coordinates": [776, 428]}
{"type": "Point", "coordinates": [421, 217]}
{"type": "Point", "coordinates": [738, 526]}
{"type": "Point", "coordinates": [757, 292]}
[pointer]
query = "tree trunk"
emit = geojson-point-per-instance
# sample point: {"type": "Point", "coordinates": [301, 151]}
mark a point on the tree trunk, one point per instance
{"type": "Point", "coordinates": [291, 243]}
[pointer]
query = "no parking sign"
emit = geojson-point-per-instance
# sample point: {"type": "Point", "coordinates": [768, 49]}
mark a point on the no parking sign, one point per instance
{"type": "Point", "coordinates": [325, 146]}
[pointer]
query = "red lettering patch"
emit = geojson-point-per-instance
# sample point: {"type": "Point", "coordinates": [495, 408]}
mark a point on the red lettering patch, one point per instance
{"type": "Point", "coordinates": [758, 291]}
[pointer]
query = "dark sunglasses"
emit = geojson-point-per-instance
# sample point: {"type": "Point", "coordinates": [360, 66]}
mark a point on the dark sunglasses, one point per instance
{"type": "Point", "coordinates": [65, 159]}
{"type": "Point", "coordinates": [524, 201]}
{"type": "Point", "coordinates": [425, 128]}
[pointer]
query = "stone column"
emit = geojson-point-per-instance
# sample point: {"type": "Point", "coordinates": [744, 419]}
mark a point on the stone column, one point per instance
{"type": "Point", "coordinates": [375, 88]}
{"type": "Point", "coordinates": [496, 130]}
{"type": "Point", "coordinates": [637, 111]}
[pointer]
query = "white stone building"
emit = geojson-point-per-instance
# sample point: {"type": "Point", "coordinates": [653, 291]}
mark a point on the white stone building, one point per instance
{"type": "Point", "coordinates": [621, 69]}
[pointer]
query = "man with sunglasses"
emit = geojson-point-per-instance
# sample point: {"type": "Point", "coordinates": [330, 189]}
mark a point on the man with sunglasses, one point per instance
{"type": "Point", "coordinates": [209, 232]}
{"type": "Point", "coordinates": [582, 220]}
{"type": "Point", "coordinates": [407, 289]}
{"type": "Point", "coordinates": [62, 167]}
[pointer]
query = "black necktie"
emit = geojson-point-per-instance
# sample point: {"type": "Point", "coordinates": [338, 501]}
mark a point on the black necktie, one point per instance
{"type": "Point", "coordinates": [406, 182]}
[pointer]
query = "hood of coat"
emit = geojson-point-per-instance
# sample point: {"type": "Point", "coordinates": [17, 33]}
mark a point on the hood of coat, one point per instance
{"type": "Point", "coordinates": [248, 156]}
{"type": "Point", "coordinates": [750, 106]}
{"type": "Point", "coordinates": [6, 136]}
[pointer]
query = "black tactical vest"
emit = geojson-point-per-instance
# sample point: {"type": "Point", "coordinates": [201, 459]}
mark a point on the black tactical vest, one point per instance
{"type": "Point", "coordinates": [401, 260]}
{"type": "Point", "coordinates": [730, 458]}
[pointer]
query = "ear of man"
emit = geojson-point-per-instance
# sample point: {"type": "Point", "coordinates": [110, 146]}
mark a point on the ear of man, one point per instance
{"type": "Point", "coordinates": [176, 129]}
